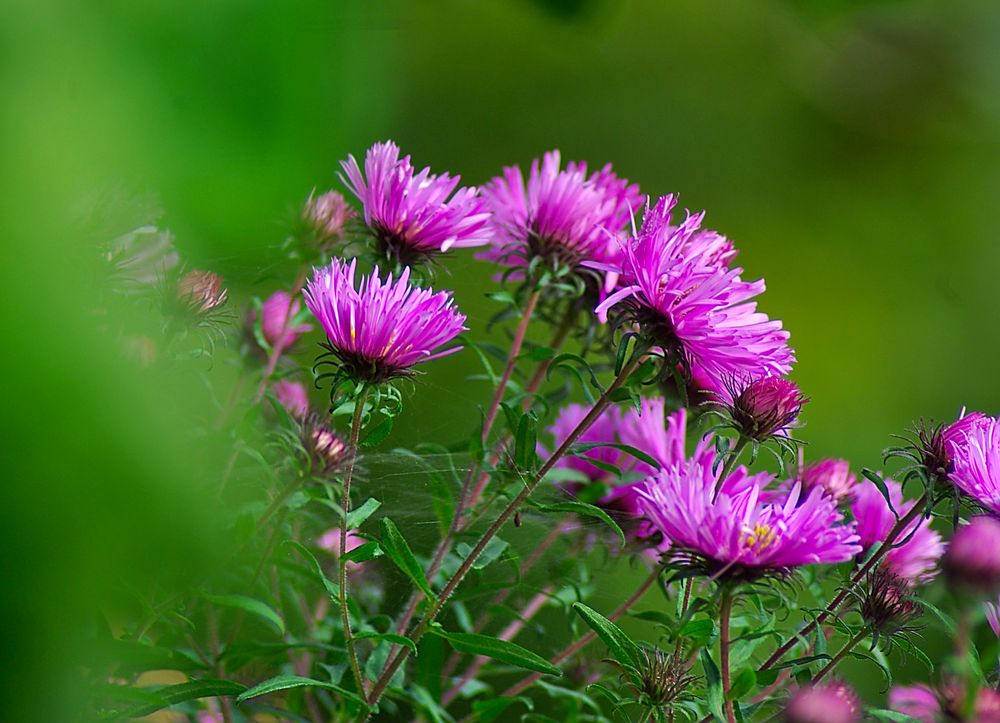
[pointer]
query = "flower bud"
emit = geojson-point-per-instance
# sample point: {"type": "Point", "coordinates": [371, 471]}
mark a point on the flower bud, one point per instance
{"type": "Point", "coordinates": [766, 406]}
{"type": "Point", "coordinates": [327, 450]}
{"type": "Point", "coordinates": [834, 702]}
{"type": "Point", "coordinates": [833, 476]}
{"type": "Point", "coordinates": [887, 601]}
{"type": "Point", "coordinates": [293, 397]}
{"type": "Point", "coordinates": [972, 561]}
{"type": "Point", "coordinates": [276, 316]}
{"type": "Point", "coordinates": [326, 215]}
{"type": "Point", "coordinates": [201, 291]}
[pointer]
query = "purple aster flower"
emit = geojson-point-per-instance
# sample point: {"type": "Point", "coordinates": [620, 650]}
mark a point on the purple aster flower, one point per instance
{"type": "Point", "coordinates": [975, 461]}
{"type": "Point", "coordinates": [947, 702]}
{"type": "Point", "coordinates": [381, 329]}
{"type": "Point", "coordinates": [973, 558]}
{"type": "Point", "coordinates": [276, 316]}
{"type": "Point", "coordinates": [732, 531]}
{"type": "Point", "coordinates": [414, 216]}
{"type": "Point", "coordinates": [764, 407]}
{"type": "Point", "coordinates": [833, 476]}
{"type": "Point", "coordinates": [916, 559]}
{"type": "Point", "coordinates": [676, 285]}
{"type": "Point", "coordinates": [833, 702]}
{"type": "Point", "coordinates": [293, 397]}
{"type": "Point", "coordinates": [602, 431]}
{"type": "Point", "coordinates": [562, 216]}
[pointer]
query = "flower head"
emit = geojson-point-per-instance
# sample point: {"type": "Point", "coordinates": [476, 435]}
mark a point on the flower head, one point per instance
{"type": "Point", "coordinates": [975, 461]}
{"type": "Point", "coordinates": [916, 558]}
{"type": "Point", "coordinates": [324, 448]}
{"type": "Point", "coordinates": [833, 702]}
{"type": "Point", "coordinates": [560, 215]}
{"type": "Point", "coordinates": [677, 286]}
{"type": "Point", "coordinates": [325, 216]}
{"type": "Point", "coordinates": [414, 216]}
{"type": "Point", "coordinates": [381, 329]}
{"type": "Point", "coordinates": [946, 702]}
{"type": "Point", "coordinates": [887, 602]}
{"type": "Point", "coordinates": [201, 292]}
{"type": "Point", "coordinates": [726, 527]}
{"type": "Point", "coordinates": [276, 316]}
{"type": "Point", "coordinates": [293, 397]}
{"type": "Point", "coordinates": [833, 476]}
{"type": "Point", "coordinates": [765, 407]}
{"type": "Point", "coordinates": [972, 562]}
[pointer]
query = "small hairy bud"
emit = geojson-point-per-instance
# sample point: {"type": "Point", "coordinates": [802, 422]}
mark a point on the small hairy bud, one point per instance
{"type": "Point", "coordinates": [327, 450]}
{"type": "Point", "coordinates": [834, 702]}
{"type": "Point", "coordinates": [201, 291]}
{"type": "Point", "coordinates": [765, 407]}
{"type": "Point", "coordinates": [326, 215]}
{"type": "Point", "coordinates": [972, 561]}
{"type": "Point", "coordinates": [887, 602]}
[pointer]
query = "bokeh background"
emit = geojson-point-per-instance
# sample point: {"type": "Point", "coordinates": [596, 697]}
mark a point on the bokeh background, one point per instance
{"type": "Point", "coordinates": [851, 149]}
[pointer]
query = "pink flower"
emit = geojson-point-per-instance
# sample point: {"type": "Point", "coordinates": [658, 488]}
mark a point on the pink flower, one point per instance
{"type": "Point", "coordinates": [917, 701]}
{"type": "Point", "coordinates": [917, 558]}
{"type": "Point", "coordinates": [276, 316]}
{"type": "Point", "coordinates": [293, 397]}
{"type": "Point", "coordinates": [330, 542]}
{"type": "Point", "coordinates": [326, 216]}
{"type": "Point", "coordinates": [833, 476]}
{"type": "Point", "coordinates": [732, 531]}
{"type": "Point", "coordinates": [946, 703]}
{"type": "Point", "coordinates": [975, 460]}
{"type": "Point", "coordinates": [973, 558]}
{"type": "Point", "coordinates": [677, 287]}
{"type": "Point", "coordinates": [414, 216]}
{"type": "Point", "coordinates": [765, 407]}
{"type": "Point", "coordinates": [562, 216]}
{"type": "Point", "coordinates": [381, 329]}
{"type": "Point", "coordinates": [832, 702]}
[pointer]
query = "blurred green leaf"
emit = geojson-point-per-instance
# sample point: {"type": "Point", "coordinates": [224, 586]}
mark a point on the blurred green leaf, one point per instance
{"type": "Point", "coordinates": [286, 682]}
{"type": "Point", "coordinates": [399, 552]}
{"type": "Point", "coordinates": [249, 605]}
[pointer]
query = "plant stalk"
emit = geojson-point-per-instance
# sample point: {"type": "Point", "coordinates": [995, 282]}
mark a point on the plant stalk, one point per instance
{"type": "Point", "coordinates": [345, 613]}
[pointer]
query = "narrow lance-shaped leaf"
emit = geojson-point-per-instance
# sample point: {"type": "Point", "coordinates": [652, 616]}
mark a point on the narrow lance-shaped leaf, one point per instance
{"type": "Point", "coordinates": [252, 606]}
{"type": "Point", "coordinates": [502, 650]}
{"type": "Point", "coordinates": [285, 682]}
{"type": "Point", "coordinates": [621, 645]}
{"type": "Point", "coordinates": [399, 552]}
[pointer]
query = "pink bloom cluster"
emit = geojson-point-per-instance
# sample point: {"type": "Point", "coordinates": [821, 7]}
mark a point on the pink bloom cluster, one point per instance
{"type": "Point", "coordinates": [974, 449]}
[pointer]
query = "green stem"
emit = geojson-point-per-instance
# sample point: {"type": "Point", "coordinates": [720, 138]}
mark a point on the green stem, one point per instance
{"type": "Point", "coordinates": [345, 613]}
{"type": "Point", "coordinates": [841, 654]}
{"type": "Point", "coordinates": [725, 610]}
{"type": "Point", "coordinates": [602, 403]}
{"type": "Point", "coordinates": [731, 462]}
{"type": "Point", "coordinates": [841, 597]}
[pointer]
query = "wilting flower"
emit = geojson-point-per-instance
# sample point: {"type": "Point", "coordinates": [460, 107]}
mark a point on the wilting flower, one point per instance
{"type": "Point", "coordinates": [276, 316]}
{"type": "Point", "coordinates": [976, 461]}
{"type": "Point", "coordinates": [292, 396]}
{"type": "Point", "coordinates": [201, 292]}
{"type": "Point", "coordinates": [764, 407]}
{"type": "Point", "coordinates": [326, 216]}
{"type": "Point", "coordinates": [914, 560]}
{"type": "Point", "coordinates": [726, 528]}
{"type": "Point", "coordinates": [381, 329]}
{"type": "Point", "coordinates": [560, 215]}
{"type": "Point", "coordinates": [414, 216]}
{"type": "Point", "coordinates": [972, 562]}
{"type": "Point", "coordinates": [677, 288]}
{"type": "Point", "coordinates": [833, 476]}
{"type": "Point", "coordinates": [834, 702]}
{"type": "Point", "coordinates": [946, 702]}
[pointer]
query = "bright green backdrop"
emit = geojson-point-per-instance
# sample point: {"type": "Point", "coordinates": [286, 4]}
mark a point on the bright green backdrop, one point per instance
{"type": "Point", "coordinates": [850, 149]}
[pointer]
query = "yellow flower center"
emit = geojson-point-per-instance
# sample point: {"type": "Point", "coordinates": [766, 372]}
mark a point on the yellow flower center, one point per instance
{"type": "Point", "coordinates": [760, 537]}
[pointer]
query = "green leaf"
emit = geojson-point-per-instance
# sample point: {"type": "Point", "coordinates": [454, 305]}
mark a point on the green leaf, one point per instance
{"type": "Point", "coordinates": [173, 694]}
{"type": "Point", "coordinates": [284, 682]}
{"type": "Point", "coordinates": [502, 650]}
{"type": "Point", "coordinates": [581, 447]}
{"type": "Point", "coordinates": [621, 645]}
{"type": "Point", "coordinates": [492, 552]}
{"type": "Point", "coordinates": [883, 714]}
{"type": "Point", "coordinates": [880, 484]}
{"type": "Point", "coordinates": [526, 441]}
{"type": "Point", "coordinates": [332, 589]}
{"type": "Point", "coordinates": [399, 552]}
{"type": "Point", "coordinates": [713, 684]}
{"type": "Point", "coordinates": [364, 553]}
{"type": "Point", "coordinates": [743, 684]}
{"type": "Point", "coordinates": [391, 637]}
{"type": "Point", "coordinates": [587, 510]}
{"type": "Point", "coordinates": [252, 606]}
{"type": "Point", "coordinates": [488, 711]}
{"type": "Point", "coordinates": [800, 661]}
{"type": "Point", "coordinates": [357, 516]}
{"type": "Point", "coordinates": [378, 433]}
{"type": "Point", "coordinates": [426, 701]}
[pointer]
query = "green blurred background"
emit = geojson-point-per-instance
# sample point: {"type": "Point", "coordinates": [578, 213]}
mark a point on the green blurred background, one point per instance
{"type": "Point", "coordinates": [852, 151]}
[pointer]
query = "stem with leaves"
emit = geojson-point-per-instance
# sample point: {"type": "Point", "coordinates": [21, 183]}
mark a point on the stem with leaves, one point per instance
{"type": "Point", "coordinates": [513, 506]}
{"type": "Point", "coordinates": [834, 607]}
{"type": "Point", "coordinates": [725, 611]}
{"type": "Point", "coordinates": [345, 613]}
{"type": "Point", "coordinates": [841, 654]}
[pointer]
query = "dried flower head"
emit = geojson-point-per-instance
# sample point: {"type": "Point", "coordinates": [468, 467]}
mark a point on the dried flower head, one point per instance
{"type": "Point", "coordinates": [201, 292]}
{"type": "Point", "coordinates": [677, 287]}
{"type": "Point", "coordinates": [764, 407]}
{"type": "Point", "coordinates": [834, 702]}
{"type": "Point", "coordinates": [972, 562]}
{"type": "Point", "coordinates": [414, 216]}
{"type": "Point", "coordinates": [380, 330]}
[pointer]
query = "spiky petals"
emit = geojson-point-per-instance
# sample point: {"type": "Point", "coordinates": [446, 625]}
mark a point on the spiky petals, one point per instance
{"type": "Point", "coordinates": [975, 461]}
{"type": "Point", "coordinates": [380, 329]}
{"type": "Point", "coordinates": [677, 286]}
{"type": "Point", "coordinates": [733, 533]}
{"type": "Point", "coordinates": [833, 476]}
{"type": "Point", "coordinates": [414, 216]}
{"type": "Point", "coordinates": [916, 559]}
{"type": "Point", "coordinates": [561, 215]}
